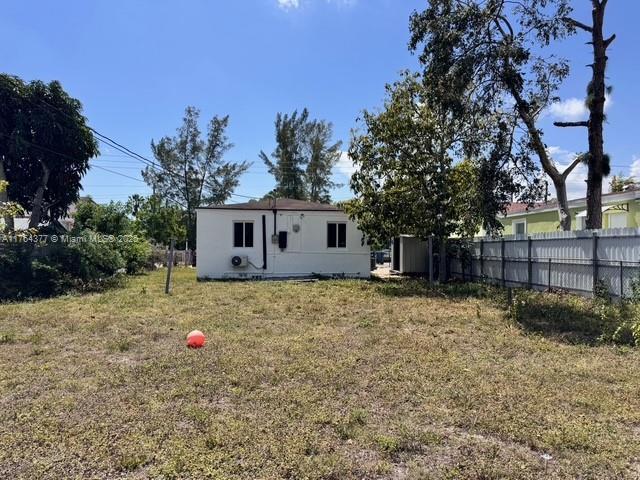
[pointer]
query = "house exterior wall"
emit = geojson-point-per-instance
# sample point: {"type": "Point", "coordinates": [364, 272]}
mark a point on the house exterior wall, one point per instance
{"type": "Point", "coordinates": [307, 252]}
{"type": "Point", "coordinates": [547, 221]}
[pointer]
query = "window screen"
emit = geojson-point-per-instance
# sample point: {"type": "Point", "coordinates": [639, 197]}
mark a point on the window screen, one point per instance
{"type": "Point", "coordinates": [337, 235]}
{"type": "Point", "coordinates": [331, 235]}
{"type": "Point", "coordinates": [243, 234]}
{"type": "Point", "coordinates": [248, 235]}
{"type": "Point", "coordinates": [342, 235]}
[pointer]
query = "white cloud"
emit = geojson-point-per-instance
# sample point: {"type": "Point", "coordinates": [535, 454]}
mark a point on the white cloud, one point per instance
{"type": "Point", "coordinates": [569, 110]}
{"type": "Point", "coordinates": [635, 168]}
{"type": "Point", "coordinates": [288, 4]}
{"type": "Point", "coordinates": [576, 181]}
{"type": "Point", "coordinates": [295, 4]}
{"type": "Point", "coordinates": [573, 109]}
{"type": "Point", "coordinates": [345, 165]}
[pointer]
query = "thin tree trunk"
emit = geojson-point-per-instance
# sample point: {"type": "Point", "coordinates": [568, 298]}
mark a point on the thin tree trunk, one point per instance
{"type": "Point", "coordinates": [559, 179]}
{"type": "Point", "coordinates": [524, 111]}
{"type": "Point", "coordinates": [36, 212]}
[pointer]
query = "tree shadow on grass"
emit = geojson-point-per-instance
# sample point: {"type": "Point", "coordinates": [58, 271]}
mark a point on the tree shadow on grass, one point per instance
{"type": "Point", "coordinates": [560, 317]}
{"type": "Point", "coordinates": [417, 287]}
{"type": "Point", "coordinates": [565, 318]}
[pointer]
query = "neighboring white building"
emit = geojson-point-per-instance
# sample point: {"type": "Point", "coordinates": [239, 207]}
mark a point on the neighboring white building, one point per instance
{"type": "Point", "coordinates": [281, 239]}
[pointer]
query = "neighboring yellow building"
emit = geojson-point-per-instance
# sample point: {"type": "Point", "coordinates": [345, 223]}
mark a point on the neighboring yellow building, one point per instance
{"type": "Point", "coordinates": [620, 210]}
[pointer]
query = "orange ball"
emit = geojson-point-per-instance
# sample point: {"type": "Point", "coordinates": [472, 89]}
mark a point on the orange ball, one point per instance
{"type": "Point", "coordinates": [196, 339]}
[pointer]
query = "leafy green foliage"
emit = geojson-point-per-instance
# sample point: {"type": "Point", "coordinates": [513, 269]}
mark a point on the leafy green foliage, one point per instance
{"type": "Point", "coordinates": [157, 221]}
{"type": "Point", "coordinates": [304, 157]}
{"type": "Point", "coordinates": [28, 270]}
{"type": "Point", "coordinates": [127, 242]}
{"type": "Point", "coordinates": [323, 156]}
{"type": "Point", "coordinates": [108, 219]}
{"type": "Point", "coordinates": [193, 171]}
{"type": "Point", "coordinates": [621, 183]}
{"type": "Point", "coordinates": [407, 180]}
{"type": "Point", "coordinates": [289, 158]}
{"type": "Point", "coordinates": [484, 59]}
{"type": "Point", "coordinates": [8, 210]}
{"type": "Point", "coordinates": [97, 258]}
{"type": "Point", "coordinates": [46, 144]}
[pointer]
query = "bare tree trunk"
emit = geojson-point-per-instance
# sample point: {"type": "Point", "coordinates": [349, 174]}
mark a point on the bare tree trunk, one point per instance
{"type": "Point", "coordinates": [596, 119]}
{"type": "Point", "coordinates": [598, 163]}
{"type": "Point", "coordinates": [36, 212]}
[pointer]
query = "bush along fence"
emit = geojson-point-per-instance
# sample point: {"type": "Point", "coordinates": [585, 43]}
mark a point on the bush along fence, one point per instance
{"type": "Point", "coordinates": [597, 262]}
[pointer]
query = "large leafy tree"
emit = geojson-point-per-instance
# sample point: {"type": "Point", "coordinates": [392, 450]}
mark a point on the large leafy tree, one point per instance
{"type": "Point", "coordinates": [110, 219]}
{"type": "Point", "coordinates": [304, 157]}
{"type": "Point", "coordinates": [599, 164]}
{"type": "Point", "coordinates": [323, 156]}
{"type": "Point", "coordinates": [288, 161]}
{"type": "Point", "coordinates": [492, 51]}
{"type": "Point", "coordinates": [158, 221]}
{"type": "Point", "coordinates": [45, 146]}
{"type": "Point", "coordinates": [409, 175]}
{"type": "Point", "coordinates": [191, 171]}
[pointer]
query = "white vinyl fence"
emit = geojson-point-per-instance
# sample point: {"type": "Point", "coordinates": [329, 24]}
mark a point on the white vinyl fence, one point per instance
{"type": "Point", "coordinates": [579, 262]}
{"type": "Point", "coordinates": [160, 256]}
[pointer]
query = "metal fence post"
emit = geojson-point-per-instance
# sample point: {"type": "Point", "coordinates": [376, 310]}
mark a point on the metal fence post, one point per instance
{"type": "Point", "coordinates": [595, 263]}
{"type": "Point", "coordinates": [549, 273]}
{"type": "Point", "coordinates": [503, 264]}
{"type": "Point", "coordinates": [529, 264]}
{"type": "Point", "coordinates": [481, 260]}
{"type": "Point", "coordinates": [430, 253]}
{"type": "Point", "coordinates": [621, 280]}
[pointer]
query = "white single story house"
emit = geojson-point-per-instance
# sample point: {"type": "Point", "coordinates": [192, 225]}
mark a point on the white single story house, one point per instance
{"type": "Point", "coordinates": [279, 238]}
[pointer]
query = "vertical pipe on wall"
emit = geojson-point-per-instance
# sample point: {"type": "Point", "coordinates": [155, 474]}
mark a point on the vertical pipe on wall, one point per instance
{"type": "Point", "coordinates": [264, 242]}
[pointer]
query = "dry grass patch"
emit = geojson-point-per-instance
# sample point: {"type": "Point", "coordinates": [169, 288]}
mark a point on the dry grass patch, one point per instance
{"type": "Point", "coordinates": [323, 380]}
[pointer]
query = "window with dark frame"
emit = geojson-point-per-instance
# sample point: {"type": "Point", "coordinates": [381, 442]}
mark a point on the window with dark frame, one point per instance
{"type": "Point", "coordinates": [243, 234]}
{"type": "Point", "coordinates": [336, 235]}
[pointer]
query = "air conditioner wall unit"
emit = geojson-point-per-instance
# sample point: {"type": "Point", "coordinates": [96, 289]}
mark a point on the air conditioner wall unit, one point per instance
{"type": "Point", "coordinates": [240, 261]}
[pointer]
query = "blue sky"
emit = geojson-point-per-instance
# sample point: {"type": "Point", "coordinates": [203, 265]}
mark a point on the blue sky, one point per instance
{"type": "Point", "coordinates": [135, 65]}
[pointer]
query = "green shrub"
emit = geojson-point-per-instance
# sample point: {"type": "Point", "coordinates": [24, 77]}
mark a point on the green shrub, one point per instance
{"type": "Point", "coordinates": [136, 253]}
{"type": "Point", "coordinates": [38, 271]}
{"type": "Point", "coordinates": [48, 280]}
{"type": "Point", "coordinates": [98, 259]}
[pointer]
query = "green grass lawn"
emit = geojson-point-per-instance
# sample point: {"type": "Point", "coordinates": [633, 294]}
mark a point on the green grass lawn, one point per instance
{"type": "Point", "coordinates": [336, 379]}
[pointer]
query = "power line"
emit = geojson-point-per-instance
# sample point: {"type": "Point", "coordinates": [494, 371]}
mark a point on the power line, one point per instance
{"type": "Point", "coordinates": [118, 173]}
